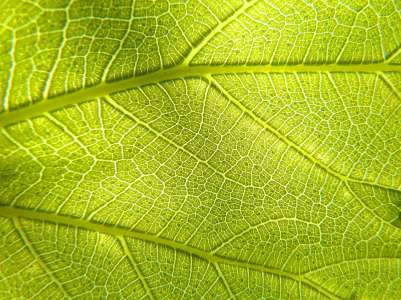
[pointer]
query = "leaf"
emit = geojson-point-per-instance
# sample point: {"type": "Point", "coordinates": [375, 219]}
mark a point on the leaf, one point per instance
{"type": "Point", "coordinates": [200, 149]}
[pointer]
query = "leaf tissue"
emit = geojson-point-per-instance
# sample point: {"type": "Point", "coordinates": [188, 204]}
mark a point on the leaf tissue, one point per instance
{"type": "Point", "coordinates": [200, 149]}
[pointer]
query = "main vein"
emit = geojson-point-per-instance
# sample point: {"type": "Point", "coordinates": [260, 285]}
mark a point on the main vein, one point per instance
{"type": "Point", "coordinates": [106, 88]}
{"type": "Point", "coordinates": [11, 212]}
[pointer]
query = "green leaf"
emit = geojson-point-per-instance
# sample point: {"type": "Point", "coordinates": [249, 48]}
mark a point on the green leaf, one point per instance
{"type": "Point", "coordinates": [200, 149]}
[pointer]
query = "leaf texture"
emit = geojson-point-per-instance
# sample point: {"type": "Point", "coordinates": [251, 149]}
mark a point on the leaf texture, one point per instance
{"type": "Point", "coordinates": [200, 149]}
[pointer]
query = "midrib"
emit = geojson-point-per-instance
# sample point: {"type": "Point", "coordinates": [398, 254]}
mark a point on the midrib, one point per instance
{"type": "Point", "coordinates": [178, 72]}
{"type": "Point", "coordinates": [12, 212]}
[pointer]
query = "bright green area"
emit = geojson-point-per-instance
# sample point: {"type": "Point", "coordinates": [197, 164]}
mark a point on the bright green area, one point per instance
{"type": "Point", "coordinates": [200, 149]}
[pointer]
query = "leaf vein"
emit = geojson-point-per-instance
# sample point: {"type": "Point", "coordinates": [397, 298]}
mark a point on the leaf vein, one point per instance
{"type": "Point", "coordinates": [36, 256]}
{"type": "Point", "coordinates": [12, 212]}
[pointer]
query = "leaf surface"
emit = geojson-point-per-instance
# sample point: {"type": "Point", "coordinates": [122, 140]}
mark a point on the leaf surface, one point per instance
{"type": "Point", "coordinates": [200, 149]}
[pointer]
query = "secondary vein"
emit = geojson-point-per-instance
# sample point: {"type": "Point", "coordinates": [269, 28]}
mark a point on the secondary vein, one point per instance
{"type": "Point", "coordinates": [12, 212]}
{"type": "Point", "coordinates": [178, 72]}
